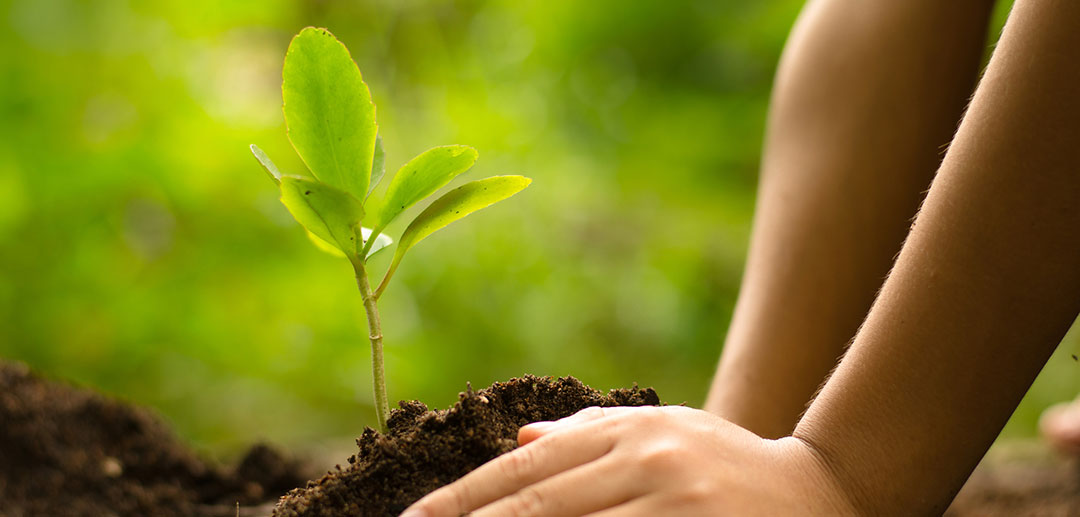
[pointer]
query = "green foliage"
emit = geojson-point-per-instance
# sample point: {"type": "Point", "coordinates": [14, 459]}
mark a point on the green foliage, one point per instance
{"type": "Point", "coordinates": [452, 206]}
{"type": "Point", "coordinates": [267, 164]}
{"type": "Point", "coordinates": [331, 249]}
{"type": "Point", "coordinates": [421, 177]}
{"type": "Point", "coordinates": [331, 123]}
{"type": "Point", "coordinates": [330, 214]}
{"type": "Point", "coordinates": [378, 164]}
{"type": "Point", "coordinates": [459, 203]}
{"type": "Point", "coordinates": [320, 82]}
{"type": "Point", "coordinates": [328, 111]}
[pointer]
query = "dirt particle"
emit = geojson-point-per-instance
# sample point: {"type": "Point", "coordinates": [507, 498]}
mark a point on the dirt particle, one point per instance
{"type": "Point", "coordinates": [111, 467]}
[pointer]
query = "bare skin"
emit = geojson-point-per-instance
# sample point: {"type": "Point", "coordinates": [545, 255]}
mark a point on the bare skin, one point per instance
{"type": "Point", "coordinates": [1061, 427]}
{"type": "Point", "coordinates": [839, 188]}
{"type": "Point", "coordinates": [983, 290]}
{"type": "Point", "coordinates": [985, 287]}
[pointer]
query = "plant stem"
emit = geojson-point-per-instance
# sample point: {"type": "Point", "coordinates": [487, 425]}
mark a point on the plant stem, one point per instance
{"type": "Point", "coordinates": [370, 241]}
{"type": "Point", "coordinates": [382, 405]}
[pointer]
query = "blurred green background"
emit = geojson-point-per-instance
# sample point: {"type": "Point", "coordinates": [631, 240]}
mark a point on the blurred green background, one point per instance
{"type": "Point", "coordinates": [145, 253]}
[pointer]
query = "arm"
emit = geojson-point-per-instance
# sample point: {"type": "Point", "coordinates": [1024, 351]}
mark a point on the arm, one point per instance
{"type": "Point", "coordinates": [866, 95]}
{"type": "Point", "coordinates": [985, 288]}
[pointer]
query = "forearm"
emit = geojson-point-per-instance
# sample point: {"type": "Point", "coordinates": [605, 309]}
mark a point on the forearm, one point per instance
{"type": "Point", "coordinates": [984, 289]}
{"type": "Point", "coordinates": [866, 95]}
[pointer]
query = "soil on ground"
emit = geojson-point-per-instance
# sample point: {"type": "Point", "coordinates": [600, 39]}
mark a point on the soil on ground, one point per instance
{"type": "Point", "coordinates": [1021, 479]}
{"type": "Point", "coordinates": [66, 451]}
{"type": "Point", "coordinates": [425, 450]}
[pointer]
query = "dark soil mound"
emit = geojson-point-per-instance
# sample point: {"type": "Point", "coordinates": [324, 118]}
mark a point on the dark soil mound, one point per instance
{"type": "Point", "coordinates": [66, 451]}
{"type": "Point", "coordinates": [425, 450]}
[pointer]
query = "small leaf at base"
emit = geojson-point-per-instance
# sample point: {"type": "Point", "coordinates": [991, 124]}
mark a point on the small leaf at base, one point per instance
{"type": "Point", "coordinates": [267, 164]}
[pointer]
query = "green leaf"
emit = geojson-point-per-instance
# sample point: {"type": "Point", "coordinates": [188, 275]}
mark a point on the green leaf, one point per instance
{"type": "Point", "coordinates": [382, 241]}
{"type": "Point", "coordinates": [378, 165]}
{"type": "Point", "coordinates": [323, 245]}
{"type": "Point", "coordinates": [421, 177]}
{"type": "Point", "coordinates": [452, 206]}
{"type": "Point", "coordinates": [328, 111]}
{"type": "Point", "coordinates": [330, 214]}
{"type": "Point", "coordinates": [267, 163]}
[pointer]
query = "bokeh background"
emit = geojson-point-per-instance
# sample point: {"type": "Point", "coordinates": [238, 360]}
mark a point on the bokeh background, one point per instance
{"type": "Point", "coordinates": [143, 252]}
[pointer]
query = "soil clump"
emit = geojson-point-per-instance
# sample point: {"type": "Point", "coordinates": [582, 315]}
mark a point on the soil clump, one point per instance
{"type": "Point", "coordinates": [68, 451]}
{"type": "Point", "coordinates": [425, 449]}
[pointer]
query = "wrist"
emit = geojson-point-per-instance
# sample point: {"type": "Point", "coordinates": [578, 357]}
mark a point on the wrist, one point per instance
{"type": "Point", "coordinates": [841, 494]}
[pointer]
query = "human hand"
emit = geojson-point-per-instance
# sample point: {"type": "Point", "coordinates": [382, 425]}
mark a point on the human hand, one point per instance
{"type": "Point", "coordinates": [629, 461]}
{"type": "Point", "coordinates": [1061, 426]}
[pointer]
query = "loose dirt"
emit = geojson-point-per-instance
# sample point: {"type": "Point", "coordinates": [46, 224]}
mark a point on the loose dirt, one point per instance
{"type": "Point", "coordinates": [425, 449]}
{"type": "Point", "coordinates": [66, 451]}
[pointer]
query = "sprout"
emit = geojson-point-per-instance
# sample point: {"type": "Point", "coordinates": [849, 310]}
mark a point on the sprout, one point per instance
{"type": "Point", "coordinates": [331, 124]}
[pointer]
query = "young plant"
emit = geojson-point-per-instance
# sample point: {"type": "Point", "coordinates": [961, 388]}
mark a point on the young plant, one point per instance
{"type": "Point", "coordinates": [330, 121]}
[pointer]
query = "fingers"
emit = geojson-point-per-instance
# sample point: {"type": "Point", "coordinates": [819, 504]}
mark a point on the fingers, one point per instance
{"type": "Point", "coordinates": [515, 470]}
{"type": "Point", "coordinates": [648, 506]}
{"type": "Point", "coordinates": [594, 486]}
{"type": "Point", "coordinates": [1061, 426]}
{"type": "Point", "coordinates": [537, 429]}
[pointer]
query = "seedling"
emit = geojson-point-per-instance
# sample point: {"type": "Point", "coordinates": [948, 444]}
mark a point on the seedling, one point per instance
{"type": "Point", "coordinates": [331, 124]}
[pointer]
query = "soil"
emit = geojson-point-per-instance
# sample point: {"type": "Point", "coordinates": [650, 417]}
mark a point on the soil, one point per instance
{"type": "Point", "coordinates": [1021, 479]}
{"type": "Point", "coordinates": [66, 451]}
{"type": "Point", "coordinates": [425, 450]}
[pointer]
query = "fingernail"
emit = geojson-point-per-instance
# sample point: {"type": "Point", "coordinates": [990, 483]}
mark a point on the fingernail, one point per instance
{"type": "Point", "coordinates": [414, 512]}
{"type": "Point", "coordinates": [541, 427]}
